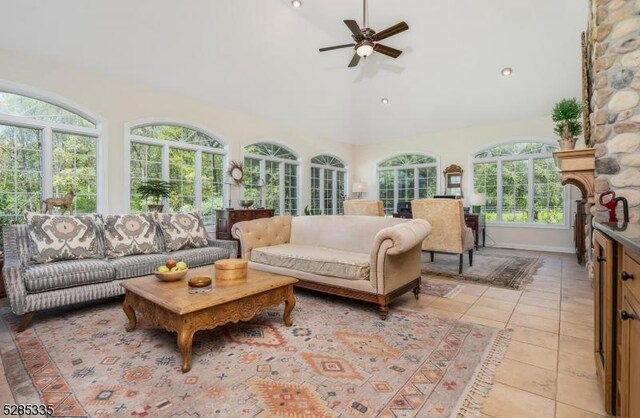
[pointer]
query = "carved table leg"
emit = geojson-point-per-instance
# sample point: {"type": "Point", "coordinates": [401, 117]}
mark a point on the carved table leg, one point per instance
{"type": "Point", "coordinates": [185, 340]}
{"type": "Point", "coordinates": [131, 314]}
{"type": "Point", "coordinates": [289, 304]}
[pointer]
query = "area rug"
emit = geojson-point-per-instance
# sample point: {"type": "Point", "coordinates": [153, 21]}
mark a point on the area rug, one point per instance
{"type": "Point", "coordinates": [338, 359]}
{"type": "Point", "coordinates": [429, 286]}
{"type": "Point", "coordinates": [499, 270]}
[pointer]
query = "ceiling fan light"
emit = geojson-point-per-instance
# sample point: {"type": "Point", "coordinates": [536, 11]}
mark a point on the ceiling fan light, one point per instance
{"type": "Point", "coordinates": [296, 3]}
{"type": "Point", "coordinates": [506, 71]}
{"type": "Point", "coordinates": [365, 49]}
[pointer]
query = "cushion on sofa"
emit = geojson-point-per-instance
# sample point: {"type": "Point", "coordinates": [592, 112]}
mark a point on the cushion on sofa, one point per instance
{"type": "Point", "coordinates": [130, 235]}
{"type": "Point", "coordinates": [137, 265]}
{"type": "Point", "coordinates": [313, 259]}
{"type": "Point", "coordinates": [182, 230]}
{"type": "Point", "coordinates": [195, 257]}
{"type": "Point", "coordinates": [62, 237]}
{"type": "Point", "coordinates": [63, 274]}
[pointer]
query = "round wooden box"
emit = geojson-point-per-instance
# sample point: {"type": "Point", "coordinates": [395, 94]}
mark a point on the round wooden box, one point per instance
{"type": "Point", "coordinates": [231, 269]}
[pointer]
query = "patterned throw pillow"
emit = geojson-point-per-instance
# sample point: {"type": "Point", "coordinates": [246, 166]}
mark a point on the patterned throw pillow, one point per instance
{"type": "Point", "coordinates": [182, 230]}
{"type": "Point", "coordinates": [62, 237]}
{"type": "Point", "coordinates": [130, 234]}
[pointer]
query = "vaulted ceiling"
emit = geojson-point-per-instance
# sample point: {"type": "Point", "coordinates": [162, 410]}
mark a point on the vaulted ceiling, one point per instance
{"type": "Point", "coordinates": [261, 57]}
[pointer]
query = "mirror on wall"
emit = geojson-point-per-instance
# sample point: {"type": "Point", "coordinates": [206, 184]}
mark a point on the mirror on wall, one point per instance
{"type": "Point", "coordinates": [453, 180]}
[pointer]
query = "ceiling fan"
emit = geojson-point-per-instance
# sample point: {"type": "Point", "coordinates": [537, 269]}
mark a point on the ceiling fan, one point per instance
{"type": "Point", "coordinates": [366, 39]}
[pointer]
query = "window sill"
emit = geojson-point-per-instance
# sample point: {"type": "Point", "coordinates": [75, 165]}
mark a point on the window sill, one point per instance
{"type": "Point", "coordinates": [527, 225]}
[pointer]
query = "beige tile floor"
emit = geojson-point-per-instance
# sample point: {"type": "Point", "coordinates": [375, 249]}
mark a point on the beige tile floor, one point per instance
{"type": "Point", "coordinates": [549, 369]}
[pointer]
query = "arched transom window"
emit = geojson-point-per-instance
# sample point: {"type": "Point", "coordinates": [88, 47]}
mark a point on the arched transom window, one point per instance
{"type": "Point", "coordinates": [45, 151]}
{"type": "Point", "coordinates": [521, 183]}
{"type": "Point", "coordinates": [271, 177]}
{"type": "Point", "coordinates": [404, 178]}
{"type": "Point", "coordinates": [191, 160]}
{"type": "Point", "coordinates": [328, 185]}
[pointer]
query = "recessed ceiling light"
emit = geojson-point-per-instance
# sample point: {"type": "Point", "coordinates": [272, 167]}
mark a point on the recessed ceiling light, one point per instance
{"type": "Point", "coordinates": [384, 100]}
{"type": "Point", "coordinates": [296, 3]}
{"type": "Point", "coordinates": [506, 71]}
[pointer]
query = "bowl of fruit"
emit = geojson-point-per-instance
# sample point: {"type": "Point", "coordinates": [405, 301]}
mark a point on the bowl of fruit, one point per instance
{"type": "Point", "coordinates": [172, 271]}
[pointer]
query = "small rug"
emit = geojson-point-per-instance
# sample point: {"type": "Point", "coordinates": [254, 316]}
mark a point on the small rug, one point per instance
{"type": "Point", "coordinates": [492, 269]}
{"type": "Point", "coordinates": [338, 359]}
{"type": "Point", "coordinates": [439, 288]}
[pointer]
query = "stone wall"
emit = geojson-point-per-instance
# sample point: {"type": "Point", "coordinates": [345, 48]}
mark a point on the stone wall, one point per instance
{"type": "Point", "coordinates": [615, 103]}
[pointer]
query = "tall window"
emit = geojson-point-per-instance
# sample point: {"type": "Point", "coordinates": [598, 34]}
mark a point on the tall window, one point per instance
{"type": "Point", "coordinates": [406, 177]}
{"type": "Point", "coordinates": [45, 150]}
{"type": "Point", "coordinates": [327, 185]}
{"type": "Point", "coordinates": [271, 177]}
{"type": "Point", "coordinates": [521, 182]}
{"type": "Point", "coordinates": [192, 161]}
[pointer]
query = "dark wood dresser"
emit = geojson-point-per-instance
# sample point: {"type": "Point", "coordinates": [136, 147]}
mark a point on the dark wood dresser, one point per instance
{"type": "Point", "coordinates": [225, 219]}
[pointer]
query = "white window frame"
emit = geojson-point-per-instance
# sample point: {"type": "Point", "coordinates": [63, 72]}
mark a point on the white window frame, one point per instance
{"type": "Point", "coordinates": [166, 146]}
{"type": "Point", "coordinates": [415, 167]}
{"type": "Point", "coordinates": [281, 162]}
{"type": "Point", "coordinates": [48, 128]}
{"type": "Point", "coordinates": [521, 157]}
{"type": "Point", "coordinates": [334, 186]}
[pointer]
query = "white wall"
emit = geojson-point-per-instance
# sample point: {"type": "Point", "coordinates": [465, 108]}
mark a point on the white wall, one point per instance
{"type": "Point", "coordinates": [116, 102]}
{"type": "Point", "coordinates": [456, 147]}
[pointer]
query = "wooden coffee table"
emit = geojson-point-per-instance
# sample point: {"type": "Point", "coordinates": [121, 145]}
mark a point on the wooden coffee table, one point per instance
{"type": "Point", "coordinates": [170, 305]}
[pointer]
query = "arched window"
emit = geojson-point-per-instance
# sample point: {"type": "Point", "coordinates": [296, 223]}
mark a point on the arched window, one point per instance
{"type": "Point", "coordinates": [521, 183]}
{"type": "Point", "coordinates": [190, 159]}
{"type": "Point", "coordinates": [45, 150]}
{"type": "Point", "coordinates": [271, 177]}
{"type": "Point", "coordinates": [328, 190]}
{"type": "Point", "coordinates": [404, 178]}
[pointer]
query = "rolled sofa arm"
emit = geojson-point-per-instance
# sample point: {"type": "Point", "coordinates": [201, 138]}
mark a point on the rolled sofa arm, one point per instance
{"type": "Point", "coordinates": [230, 245]}
{"type": "Point", "coordinates": [404, 236]}
{"type": "Point", "coordinates": [261, 233]}
{"type": "Point", "coordinates": [12, 271]}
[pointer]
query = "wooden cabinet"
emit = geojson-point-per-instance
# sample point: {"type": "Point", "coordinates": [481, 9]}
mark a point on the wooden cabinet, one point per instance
{"type": "Point", "coordinates": [225, 219]}
{"type": "Point", "coordinates": [629, 337]}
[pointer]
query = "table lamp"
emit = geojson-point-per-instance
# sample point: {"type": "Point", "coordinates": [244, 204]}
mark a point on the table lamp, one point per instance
{"type": "Point", "coordinates": [477, 200]}
{"type": "Point", "coordinates": [358, 188]}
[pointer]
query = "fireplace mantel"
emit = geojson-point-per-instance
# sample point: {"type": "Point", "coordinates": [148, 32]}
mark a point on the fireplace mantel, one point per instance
{"type": "Point", "coordinates": [578, 168]}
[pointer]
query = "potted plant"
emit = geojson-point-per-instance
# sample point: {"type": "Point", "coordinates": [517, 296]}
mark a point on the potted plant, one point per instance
{"type": "Point", "coordinates": [157, 190]}
{"type": "Point", "coordinates": [566, 114]}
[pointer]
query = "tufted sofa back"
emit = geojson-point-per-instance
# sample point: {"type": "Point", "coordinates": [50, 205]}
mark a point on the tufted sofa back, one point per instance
{"type": "Point", "coordinates": [273, 231]}
{"type": "Point", "coordinates": [349, 233]}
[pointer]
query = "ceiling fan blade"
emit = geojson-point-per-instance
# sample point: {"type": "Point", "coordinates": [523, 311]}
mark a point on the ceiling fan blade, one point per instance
{"type": "Point", "coordinates": [393, 30]}
{"type": "Point", "coordinates": [329, 48]}
{"type": "Point", "coordinates": [387, 50]}
{"type": "Point", "coordinates": [353, 26]}
{"type": "Point", "coordinates": [355, 60]}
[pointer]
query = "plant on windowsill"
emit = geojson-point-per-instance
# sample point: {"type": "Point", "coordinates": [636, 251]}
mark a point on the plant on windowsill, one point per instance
{"type": "Point", "coordinates": [566, 115]}
{"type": "Point", "coordinates": [156, 190]}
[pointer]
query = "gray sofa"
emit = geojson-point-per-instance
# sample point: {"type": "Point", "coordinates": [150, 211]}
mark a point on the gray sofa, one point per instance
{"type": "Point", "coordinates": [33, 287]}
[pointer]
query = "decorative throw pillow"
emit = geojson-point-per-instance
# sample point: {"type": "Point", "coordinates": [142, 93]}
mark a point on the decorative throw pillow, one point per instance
{"type": "Point", "coordinates": [62, 237]}
{"type": "Point", "coordinates": [182, 230]}
{"type": "Point", "coordinates": [130, 234]}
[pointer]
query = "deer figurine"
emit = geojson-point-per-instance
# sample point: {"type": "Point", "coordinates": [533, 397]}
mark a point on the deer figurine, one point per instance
{"type": "Point", "coordinates": [64, 202]}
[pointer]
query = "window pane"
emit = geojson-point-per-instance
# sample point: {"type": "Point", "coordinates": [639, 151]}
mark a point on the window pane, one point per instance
{"type": "Point", "coordinates": [270, 150]}
{"type": "Point", "coordinates": [548, 198]}
{"type": "Point", "coordinates": [212, 177]}
{"type": "Point", "coordinates": [327, 160]}
{"type": "Point", "coordinates": [182, 177]}
{"type": "Point", "coordinates": [407, 159]}
{"type": "Point", "coordinates": [519, 148]}
{"type": "Point", "coordinates": [178, 134]}
{"type": "Point", "coordinates": [485, 180]}
{"type": "Point", "coordinates": [291, 189]}
{"type": "Point", "coordinates": [146, 164]}
{"type": "Point", "coordinates": [17, 105]}
{"type": "Point", "coordinates": [75, 167]}
{"type": "Point", "coordinates": [272, 186]}
{"type": "Point", "coordinates": [342, 195]}
{"type": "Point", "coordinates": [315, 191]}
{"type": "Point", "coordinates": [427, 182]}
{"type": "Point", "coordinates": [515, 191]}
{"type": "Point", "coordinates": [406, 185]}
{"type": "Point", "coordinates": [385, 186]}
{"type": "Point", "coordinates": [328, 192]}
{"type": "Point", "coordinates": [20, 180]}
{"type": "Point", "coordinates": [251, 178]}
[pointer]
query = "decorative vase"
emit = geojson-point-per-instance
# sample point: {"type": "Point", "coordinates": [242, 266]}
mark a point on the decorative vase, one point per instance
{"type": "Point", "coordinates": [567, 144]}
{"type": "Point", "coordinates": [155, 208]}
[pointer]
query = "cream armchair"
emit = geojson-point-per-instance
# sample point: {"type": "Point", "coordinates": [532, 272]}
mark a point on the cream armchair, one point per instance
{"type": "Point", "coordinates": [363, 207]}
{"type": "Point", "coordinates": [449, 233]}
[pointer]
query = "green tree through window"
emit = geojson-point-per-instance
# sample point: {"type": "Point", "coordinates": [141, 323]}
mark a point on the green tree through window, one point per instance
{"type": "Point", "coordinates": [406, 177]}
{"type": "Point", "coordinates": [327, 185]}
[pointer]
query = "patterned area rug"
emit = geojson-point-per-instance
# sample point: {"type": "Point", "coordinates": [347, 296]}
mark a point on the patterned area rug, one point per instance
{"type": "Point", "coordinates": [338, 359]}
{"type": "Point", "coordinates": [496, 270]}
{"type": "Point", "coordinates": [439, 288]}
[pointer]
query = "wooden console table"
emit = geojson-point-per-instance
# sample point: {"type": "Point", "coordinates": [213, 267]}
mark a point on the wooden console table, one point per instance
{"type": "Point", "coordinates": [225, 219]}
{"type": "Point", "coordinates": [475, 221]}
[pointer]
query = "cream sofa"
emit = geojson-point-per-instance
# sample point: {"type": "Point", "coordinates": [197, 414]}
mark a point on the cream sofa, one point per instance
{"type": "Point", "coordinates": [363, 257]}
